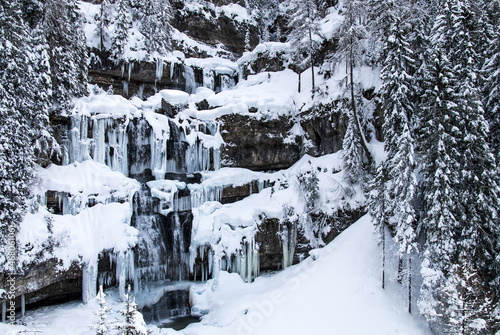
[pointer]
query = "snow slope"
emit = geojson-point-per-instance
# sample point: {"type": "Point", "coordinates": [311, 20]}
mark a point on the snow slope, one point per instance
{"type": "Point", "coordinates": [336, 293]}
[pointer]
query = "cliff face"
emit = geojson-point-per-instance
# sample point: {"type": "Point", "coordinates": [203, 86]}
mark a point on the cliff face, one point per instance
{"type": "Point", "coordinates": [188, 151]}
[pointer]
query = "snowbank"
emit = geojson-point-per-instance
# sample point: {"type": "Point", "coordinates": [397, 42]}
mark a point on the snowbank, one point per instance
{"type": "Point", "coordinates": [338, 293]}
{"type": "Point", "coordinates": [224, 227]}
{"type": "Point", "coordinates": [77, 238]}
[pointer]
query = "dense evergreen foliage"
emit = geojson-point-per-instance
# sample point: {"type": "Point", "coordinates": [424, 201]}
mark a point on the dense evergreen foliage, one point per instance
{"type": "Point", "coordinates": [436, 193]}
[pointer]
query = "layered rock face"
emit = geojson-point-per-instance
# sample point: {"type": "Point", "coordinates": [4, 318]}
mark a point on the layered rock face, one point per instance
{"type": "Point", "coordinates": [179, 157]}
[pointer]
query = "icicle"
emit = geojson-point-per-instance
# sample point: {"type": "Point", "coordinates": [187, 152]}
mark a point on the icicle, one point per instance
{"type": "Point", "coordinates": [132, 274]}
{"type": "Point", "coordinates": [249, 263]}
{"type": "Point", "coordinates": [202, 271]}
{"type": "Point", "coordinates": [191, 84]}
{"type": "Point", "coordinates": [4, 311]}
{"type": "Point", "coordinates": [89, 280]}
{"type": "Point", "coordinates": [130, 68]}
{"type": "Point", "coordinates": [125, 87]}
{"type": "Point", "coordinates": [172, 70]}
{"type": "Point", "coordinates": [121, 275]}
{"type": "Point", "coordinates": [99, 138]}
{"type": "Point", "coordinates": [159, 69]}
{"type": "Point", "coordinates": [23, 304]}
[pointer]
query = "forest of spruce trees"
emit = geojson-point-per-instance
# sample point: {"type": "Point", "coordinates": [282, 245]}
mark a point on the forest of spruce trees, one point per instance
{"type": "Point", "coordinates": [437, 193]}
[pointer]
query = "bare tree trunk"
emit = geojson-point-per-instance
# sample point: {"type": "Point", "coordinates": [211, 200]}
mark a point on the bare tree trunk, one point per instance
{"type": "Point", "coordinates": [299, 82]}
{"type": "Point", "coordinates": [409, 284]}
{"type": "Point", "coordinates": [383, 256]}
{"type": "Point", "coordinates": [354, 110]}
{"type": "Point", "coordinates": [353, 101]}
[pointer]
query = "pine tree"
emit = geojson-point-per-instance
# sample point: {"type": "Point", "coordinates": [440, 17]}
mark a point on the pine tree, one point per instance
{"type": "Point", "coordinates": [133, 323]}
{"type": "Point", "coordinates": [351, 35]}
{"type": "Point", "coordinates": [247, 40]}
{"type": "Point", "coordinates": [378, 206]}
{"type": "Point", "coordinates": [156, 26]}
{"type": "Point", "coordinates": [469, 301]}
{"type": "Point", "coordinates": [102, 327]}
{"type": "Point", "coordinates": [68, 53]}
{"type": "Point", "coordinates": [491, 71]}
{"type": "Point", "coordinates": [400, 185]}
{"type": "Point", "coordinates": [400, 163]}
{"type": "Point", "coordinates": [46, 148]}
{"type": "Point", "coordinates": [381, 17]}
{"type": "Point", "coordinates": [103, 20]}
{"type": "Point", "coordinates": [440, 174]}
{"type": "Point", "coordinates": [353, 155]}
{"type": "Point", "coordinates": [479, 196]}
{"type": "Point", "coordinates": [16, 94]}
{"type": "Point", "coordinates": [123, 23]}
{"type": "Point", "coordinates": [304, 29]}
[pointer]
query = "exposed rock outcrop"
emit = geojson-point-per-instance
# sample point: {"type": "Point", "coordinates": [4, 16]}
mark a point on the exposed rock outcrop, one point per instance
{"type": "Point", "coordinates": [258, 144]}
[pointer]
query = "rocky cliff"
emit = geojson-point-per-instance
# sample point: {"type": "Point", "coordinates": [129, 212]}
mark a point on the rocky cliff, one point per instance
{"type": "Point", "coordinates": [199, 134]}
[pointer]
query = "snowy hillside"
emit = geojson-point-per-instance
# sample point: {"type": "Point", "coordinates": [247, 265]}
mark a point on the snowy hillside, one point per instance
{"type": "Point", "coordinates": [250, 166]}
{"type": "Point", "coordinates": [310, 297]}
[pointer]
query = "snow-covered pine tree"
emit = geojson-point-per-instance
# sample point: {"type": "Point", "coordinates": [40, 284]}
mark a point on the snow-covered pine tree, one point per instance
{"type": "Point", "coordinates": [304, 31]}
{"type": "Point", "coordinates": [103, 20]}
{"type": "Point", "coordinates": [470, 301]}
{"type": "Point", "coordinates": [102, 327]}
{"type": "Point", "coordinates": [32, 12]}
{"type": "Point", "coordinates": [123, 24]}
{"type": "Point", "coordinates": [156, 26]}
{"type": "Point", "coordinates": [400, 164]}
{"type": "Point", "coordinates": [491, 74]}
{"type": "Point", "coordinates": [381, 17]}
{"type": "Point", "coordinates": [352, 34]}
{"type": "Point", "coordinates": [353, 155]}
{"type": "Point", "coordinates": [46, 148]}
{"type": "Point", "coordinates": [378, 207]}
{"type": "Point", "coordinates": [479, 196]}
{"type": "Point", "coordinates": [16, 94]}
{"type": "Point", "coordinates": [247, 40]}
{"type": "Point", "coordinates": [68, 52]}
{"type": "Point", "coordinates": [440, 159]}
{"type": "Point", "coordinates": [133, 323]}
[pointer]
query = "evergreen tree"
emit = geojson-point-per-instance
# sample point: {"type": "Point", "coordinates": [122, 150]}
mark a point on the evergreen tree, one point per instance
{"type": "Point", "coordinates": [16, 95]}
{"type": "Point", "coordinates": [491, 73]}
{"type": "Point", "coordinates": [68, 52]}
{"type": "Point", "coordinates": [400, 163]}
{"type": "Point", "coordinates": [103, 20]}
{"type": "Point", "coordinates": [378, 206]}
{"type": "Point", "coordinates": [469, 301]}
{"type": "Point", "coordinates": [102, 327]}
{"type": "Point", "coordinates": [123, 23]}
{"type": "Point", "coordinates": [133, 323]}
{"type": "Point", "coordinates": [156, 26]}
{"type": "Point", "coordinates": [304, 30]}
{"type": "Point", "coordinates": [440, 158]}
{"type": "Point", "coordinates": [247, 40]}
{"type": "Point", "coordinates": [479, 196]}
{"type": "Point", "coordinates": [353, 155]}
{"type": "Point", "coordinates": [381, 16]}
{"type": "Point", "coordinates": [352, 34]}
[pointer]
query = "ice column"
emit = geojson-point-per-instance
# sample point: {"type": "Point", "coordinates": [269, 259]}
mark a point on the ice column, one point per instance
{"type": "Point", "coordinates": [125, 269]}
{"type": "Point", "coordinates": [247, 261]}
{"type": "Point", "coordinates": [89, 280]}
{"type": "Point", "coordinates": [289, 241]}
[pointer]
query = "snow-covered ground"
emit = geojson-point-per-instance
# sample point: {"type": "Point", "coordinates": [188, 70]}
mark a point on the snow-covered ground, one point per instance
{"type": "Point", "coordinates": [335, 291]}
